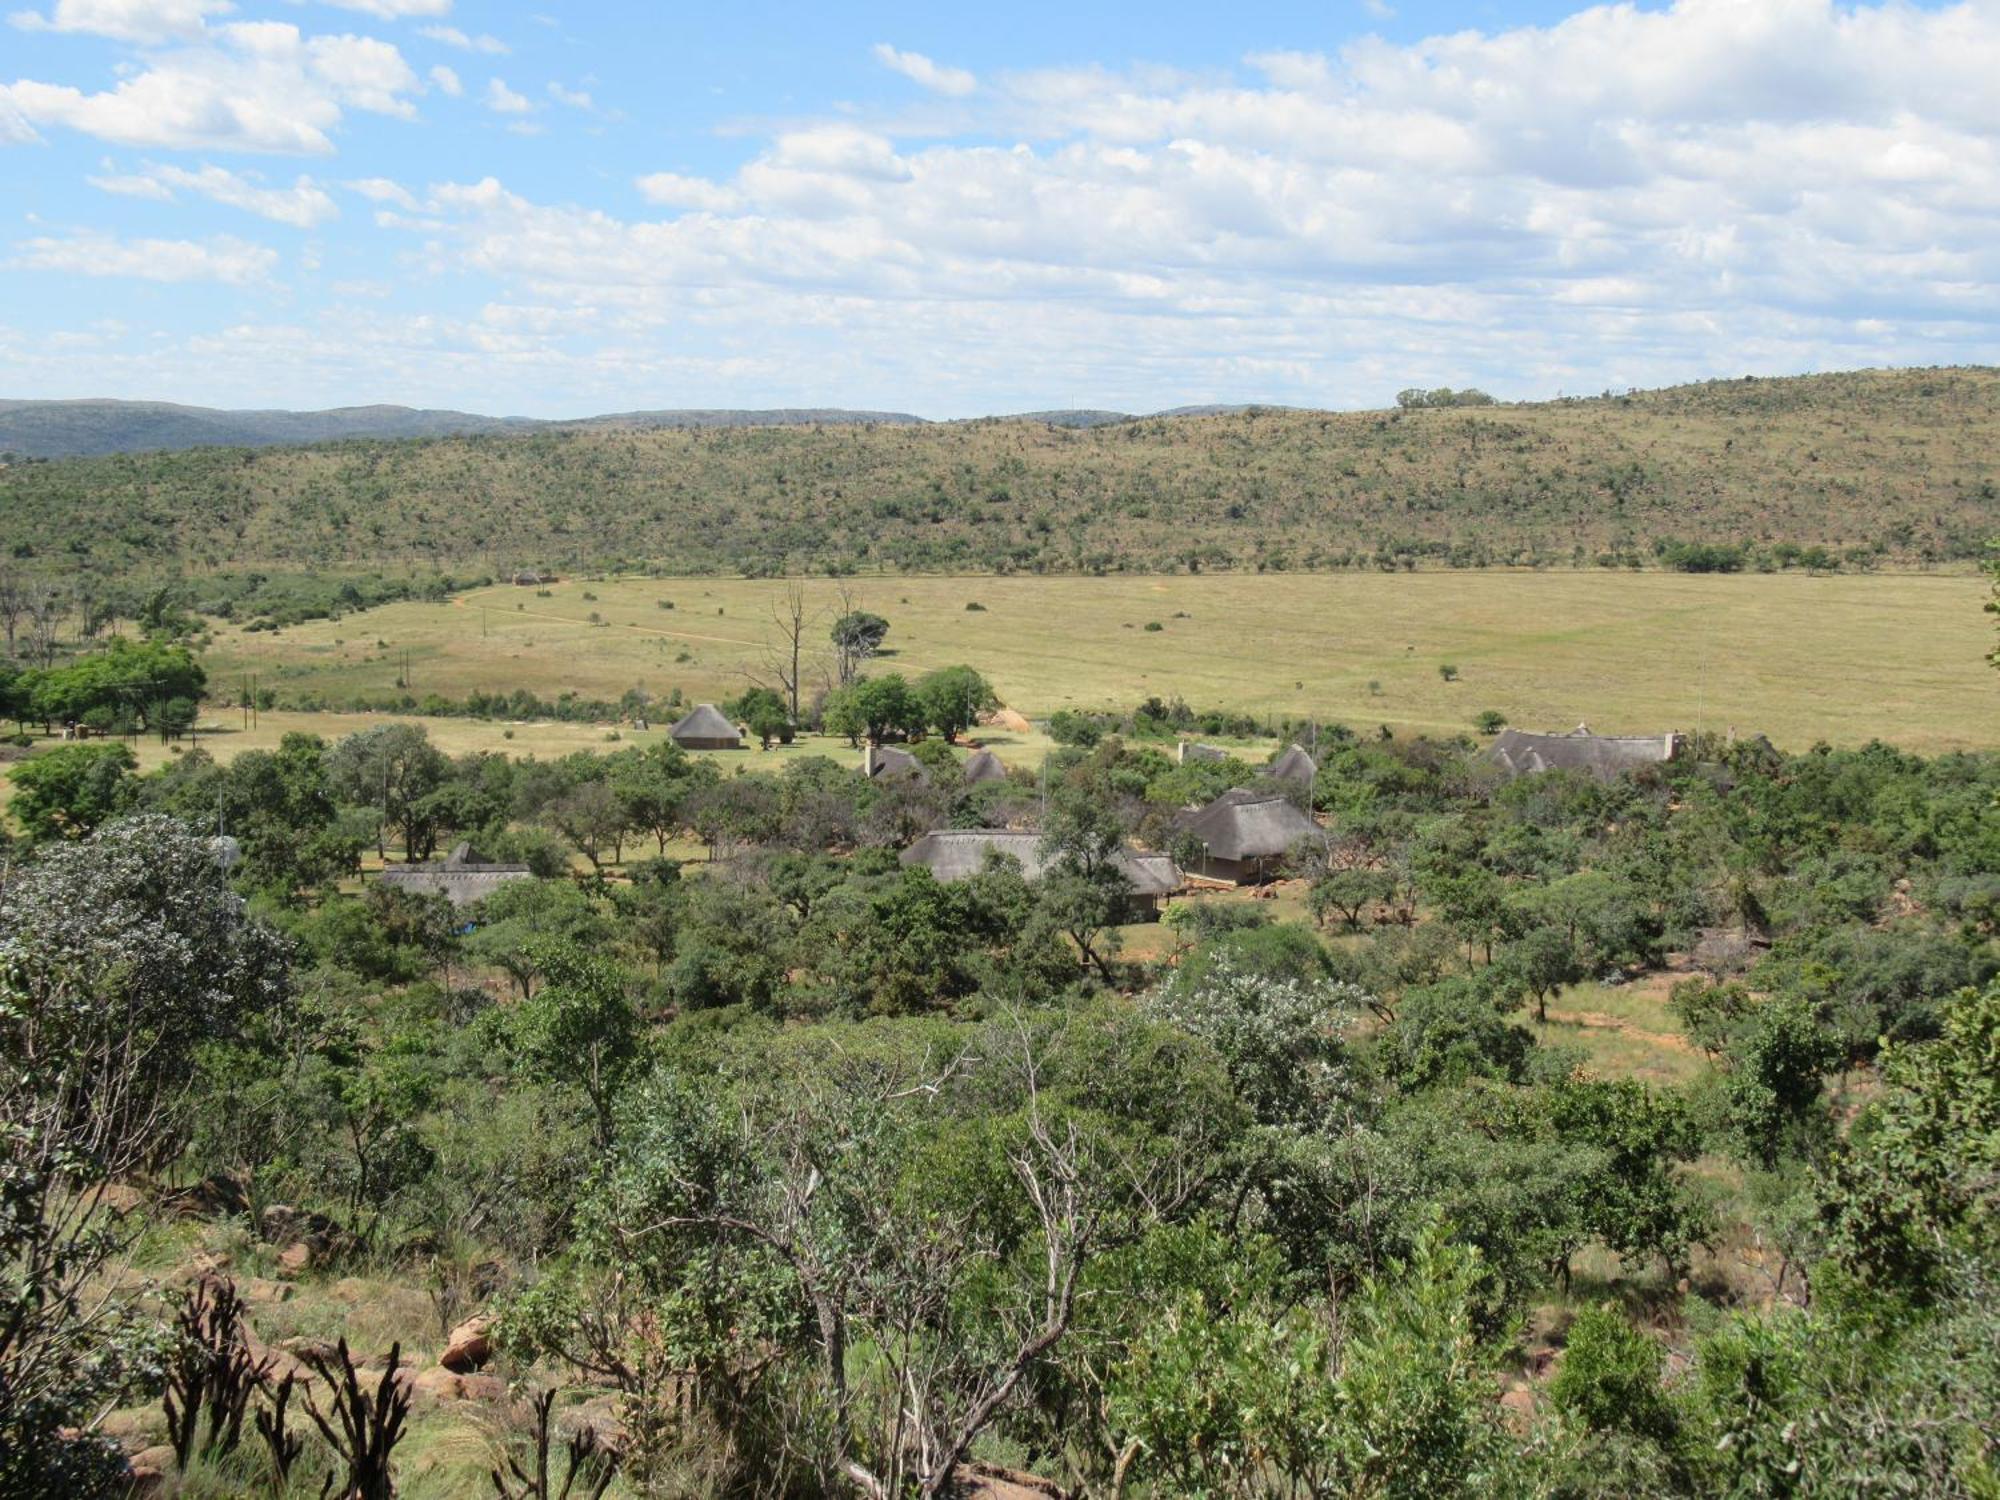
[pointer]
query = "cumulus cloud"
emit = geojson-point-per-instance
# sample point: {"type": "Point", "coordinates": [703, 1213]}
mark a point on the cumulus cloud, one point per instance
{"type": "Point", "coordinates": [504, 101]}
{"type": "Point", "coordinates": [396, 10]}
{"type": "Point", "coordinates": [672, 190]}
{"type": "Point", "coordinates": [382, 190]}
{"type": "Point", "coordinates": [1672, 192]}
{"type": "Point", "coordinates": [955, 82]}
{"type": "Point", "coordinates": [447, 81]}
{"type": "Point", "coordinates": [142, 21]}
{"type": "Point", "coordinates": [303, 205]}
{"type": "Point", "coordinates": [451, 36]}
{"type": "Point", "coordinates": [1629, 196]}
{"type": "Point", "coordinates": [223, 258]}
{"type": "Point", "coordinates": [573, 98]}
{"type": "Point", "coordinates": [247, 86]}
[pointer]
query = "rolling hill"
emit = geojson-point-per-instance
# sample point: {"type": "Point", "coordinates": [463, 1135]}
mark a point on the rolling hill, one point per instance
{"type": "Point", "coordinates": [1895, 467]}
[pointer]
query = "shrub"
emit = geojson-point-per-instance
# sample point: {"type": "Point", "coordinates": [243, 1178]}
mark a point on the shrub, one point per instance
{"type": "Point", "coordinates": [1490, 721]}
{"type": "Point", "coordinates": [1448, 672]}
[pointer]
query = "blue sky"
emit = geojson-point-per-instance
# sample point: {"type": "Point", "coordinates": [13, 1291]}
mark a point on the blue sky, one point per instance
{"type": "Point", "coordinates": [557, 210]}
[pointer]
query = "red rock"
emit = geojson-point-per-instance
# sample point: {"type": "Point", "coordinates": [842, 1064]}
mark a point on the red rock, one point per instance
{"type": "Point", "coordinates": [439, 1384]}
{"type": "Point", "coordinates": [149, 1470]}
{"type": "Point", "coordinates": [482, 1387]}
{"type": "Point", "coordinates": [469, 1346]}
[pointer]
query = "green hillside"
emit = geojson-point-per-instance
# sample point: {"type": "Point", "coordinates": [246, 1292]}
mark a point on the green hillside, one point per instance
{"type": "Point", "coordinates": [1890, 467]}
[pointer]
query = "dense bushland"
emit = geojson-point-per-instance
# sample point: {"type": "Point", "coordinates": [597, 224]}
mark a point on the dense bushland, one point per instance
{"type": "Point", "coordinates": [1824, 471]}
{"type": "Point", "coordinates": [834, 1178]}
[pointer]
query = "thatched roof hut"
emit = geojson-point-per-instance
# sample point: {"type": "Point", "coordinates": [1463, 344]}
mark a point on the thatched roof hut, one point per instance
{"type": "Point", "coordinates": [461, 877]}
{"type": "Point", "coordinates": [1246, 833]}
{"type": "Point", "coordinates": [961, 853]}
{"type": "Point", "coordinates": [1188, 750]}
{"type": "Point", "coordinates": [706, 727]}
{"type": "Point", "coordinates": [1604, 756]}
{"type": "Point", "coordinates": [886, 762]}
{"type": "Point", "coordinates": [983, 765]}
{"type": "Point", "coordinates": [1293, 765]}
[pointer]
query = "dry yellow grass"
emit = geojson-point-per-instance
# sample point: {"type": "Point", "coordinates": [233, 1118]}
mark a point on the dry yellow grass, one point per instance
{"type": "Point", "coordinates": [1843, 658]}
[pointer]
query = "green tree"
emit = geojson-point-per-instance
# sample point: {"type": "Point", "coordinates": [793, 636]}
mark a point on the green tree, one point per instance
{"type": "Point", "coordinates": [121, 958]}
{"type": "Point", "coordinates": [70, 791]}
{"type": "Point", "coordinates": [857, 636]}
{"type": "Point", "coordinates": [951, 700]}
{"type": "Point", "coordinates": [392, 770]}
{"type": "Point", "coordinates": [1913, 1189]}
{"type": "Point", "coordinates": [579, 1029]}
{"type": "Point", "coordinates": [765, 712]}
{"type": "Point", "coordinates": [886, 707]}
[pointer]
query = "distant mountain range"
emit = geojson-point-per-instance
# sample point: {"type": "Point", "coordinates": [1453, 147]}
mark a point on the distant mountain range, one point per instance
{"type": "Point", "coordinates": [71, 429]}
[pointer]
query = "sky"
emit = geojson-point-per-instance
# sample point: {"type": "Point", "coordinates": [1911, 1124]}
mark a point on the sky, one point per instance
{"type": "Point", "coordinates": [554, 210]}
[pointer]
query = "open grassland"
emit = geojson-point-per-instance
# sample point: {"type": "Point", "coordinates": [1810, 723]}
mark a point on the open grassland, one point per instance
{"type": "Point", "coordinates": [1842, 659]}
{"type": "Point", "coordinates": [1897, 464]}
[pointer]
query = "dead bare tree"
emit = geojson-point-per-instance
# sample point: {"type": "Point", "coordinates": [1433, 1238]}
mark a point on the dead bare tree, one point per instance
{"type": "Point", "coordinates": [45, 608]}
{"type": "Point", "coordinates": [365, 1426]}
{"type": "Point", "coordinates": [211, 1371]}
{"type": "Point", "coordinates": [590, 1468]}
{"type": "Point", "coordinates": [13, 604]}
{"type": "Point", "coordinates": [281, 1444]}
{"type": "Point", "coordinates": [786, 660]}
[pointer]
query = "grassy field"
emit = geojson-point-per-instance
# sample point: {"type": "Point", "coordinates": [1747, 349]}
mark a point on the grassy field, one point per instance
{"type": "Point", "coordinates": [1840, 658]}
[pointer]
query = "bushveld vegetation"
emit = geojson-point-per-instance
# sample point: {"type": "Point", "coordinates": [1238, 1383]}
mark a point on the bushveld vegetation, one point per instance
{"type": "Point", "coordinates": [1551, 1136]}
{"type": "Point", "coordinates": [724, 1154]}
{"type": "Point", "coordinates": [1823, 471]}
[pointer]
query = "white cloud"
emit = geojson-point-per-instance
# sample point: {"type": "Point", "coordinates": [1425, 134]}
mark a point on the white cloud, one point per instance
{"type": "Point", "coordinates": [504, 101]}
{"type": "Point", "coordinates": [248, 86]}
{"type": "Point", "coordinates": [573, 98]}
{"type": "Point", "coordinates": [303, 205]}
{"type": "Point", "coordinates": [396, 10]}
{"type": "Point", "coordinates": [382, 190]}
{"type": "Point", "coordinates": [141, 21]}
{"type": "Point", "coordinates": [447, 81]}
{"type": "Point", "coordinates": [671, 190]}
{"type": "Point", "coordinates": [451, 36]}
{"type": "Point", "coordinates": [1680, 191]}
{"type": "Point", "coordinates": [89, 253]}
{"type": "Point", "coordinates": [1634, 195]}
{"type": "Point", "coordinates": [955, 82]}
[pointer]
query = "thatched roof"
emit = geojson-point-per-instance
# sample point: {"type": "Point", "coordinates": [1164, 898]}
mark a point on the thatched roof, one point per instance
{"type": "Point", "coordinates": [1601, 755]}
{"type": "Point", "coordinates": [983, 765]}
{"type": "Point", "coordinates": [461, 877]}
{"type": "Point", "coordinates": [1189, 750]}
{"type": "Point", "coordinates": [1293, 765]}
{"type": "Point", "coordinates": [705, 722]}
{"type": "Point", "coordinates": [960, 853]}
{"type": "Point", "coordinates": [880, 761]}
{"type": "Point", "coordinates": [1244, 823]}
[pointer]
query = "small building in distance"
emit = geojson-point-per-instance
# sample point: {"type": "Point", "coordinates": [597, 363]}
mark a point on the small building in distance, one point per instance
{"type": "Point", "coordinates": [1188, 750]}
{"type": "Point", "coordinates": [461, 877]}
{"type": "Point", "coordinates": [961, 853]}
{"type": "Point", "coordinates": [706, 728]}
{"type": "Point", "coordinates": [887, 763]}
{"type": "Point", "coordinates": [532, 578]}
{"type": "Point", "coordinates": [1293, 765]}
{"type": "Point", "coordinates": [1245, 834]}
{"type": "Point", "coordinates": [983, 765]}
{"type": "Point", "coordinates": [1605, 756]}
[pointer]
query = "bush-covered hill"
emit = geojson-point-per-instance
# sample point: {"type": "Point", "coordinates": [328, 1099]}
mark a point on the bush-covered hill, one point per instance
{"type": "Point", "coordinates": [1871, 467]}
